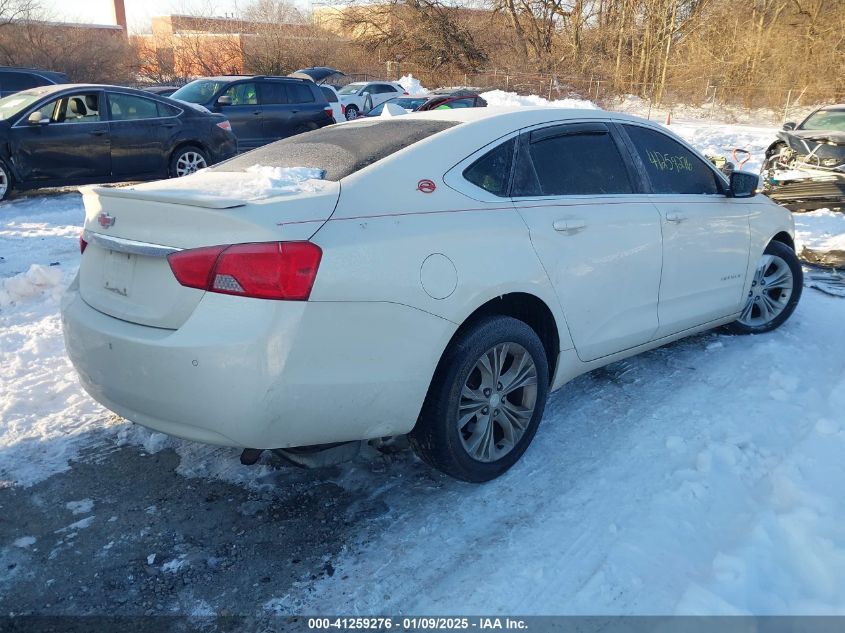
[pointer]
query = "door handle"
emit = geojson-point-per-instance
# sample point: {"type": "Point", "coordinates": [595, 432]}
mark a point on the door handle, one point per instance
{"type": "Point", "coordinates": [256, 112]}
{"type": "Point", "coordinates": [674, 216]}
{"type": "Point", "coordinates": [97, 132]}
{"type": "Point", "coordinates": [569, 225]}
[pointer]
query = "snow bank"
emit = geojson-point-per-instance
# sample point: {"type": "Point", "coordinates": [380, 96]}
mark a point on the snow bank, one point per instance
{"type": "Point", "coordinates": [821, 230]}
{"type": "Point", "coordinates": [412, 85]}
{"type": "Point", "coordinates": [502, 98]}
{"type": "Point", "coordinates": [725, 114]}
{"type": "Point", "coordinates": [35, 282]}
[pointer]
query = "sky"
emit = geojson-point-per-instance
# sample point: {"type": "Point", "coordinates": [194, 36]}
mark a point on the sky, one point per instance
{"type": "Point", "coordinates": [138, 12]}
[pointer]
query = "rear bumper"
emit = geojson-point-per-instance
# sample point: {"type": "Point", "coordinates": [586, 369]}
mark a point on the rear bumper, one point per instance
{"type": "Point", "coordinates": [261, 374]}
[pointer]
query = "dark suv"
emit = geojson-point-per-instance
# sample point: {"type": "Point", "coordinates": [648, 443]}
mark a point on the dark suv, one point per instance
{"type": "Point", "coordinates": [14, 79]}
{"type": "Point", "coordinates": [261, 109]}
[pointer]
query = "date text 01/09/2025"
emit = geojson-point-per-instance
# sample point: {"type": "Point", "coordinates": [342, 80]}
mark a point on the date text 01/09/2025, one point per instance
{"type": "Point", "coordinates": [425, 623]}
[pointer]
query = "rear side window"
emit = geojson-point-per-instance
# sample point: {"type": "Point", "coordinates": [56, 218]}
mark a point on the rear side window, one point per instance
{"type": "Point", "coordinates": [165, 110]}
{"type": "Point", "coordinates": [492, 171]}
{"type": "Point", "coordinates": [670, 166]}
{"type": "Point", "coordinates": [124, 107]}
{"type": "Point", "coordinates": [573, 164]}
{"type": "Point", "coordinates": [300, 93]}
{"type": "Point", "coordinates": [330, 95]}
{"type": "Point", "coordinates": [339, 150]}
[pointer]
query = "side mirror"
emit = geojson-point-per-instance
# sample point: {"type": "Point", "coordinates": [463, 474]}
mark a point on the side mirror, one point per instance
{"type": "Point", "coordinates": [789, 126]}
{"type": "Point", "coordinates": [224, 100]}
{"type": "Point", "coordinates": [744, 184]}
{"type": "Point", "coordinates": [36, 118]}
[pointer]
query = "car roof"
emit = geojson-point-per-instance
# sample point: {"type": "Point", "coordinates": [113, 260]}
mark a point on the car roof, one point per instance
{"type": "Point", "coordinates": [834, 106]}
{"type": "Point", "coordinates": [247, 77]}
{"type": "Point", "coordinates": [520, 116]}
{"type": "Point", "coordinates": [57, 88]}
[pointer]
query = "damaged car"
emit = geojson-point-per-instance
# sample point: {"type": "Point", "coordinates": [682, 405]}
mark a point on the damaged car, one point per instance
{"type": "Point", "coordinates": [805, 168]}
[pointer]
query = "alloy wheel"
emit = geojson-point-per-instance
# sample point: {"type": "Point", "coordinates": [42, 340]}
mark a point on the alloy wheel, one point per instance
{"type": "Point", "coordinates": [497, 402]}
{"type": "Point", "coordinates": [770, 292]}
{"type": "Point", "coordinates": [4, 183]}
{"type": "Point", "coordinates": [190, 162]}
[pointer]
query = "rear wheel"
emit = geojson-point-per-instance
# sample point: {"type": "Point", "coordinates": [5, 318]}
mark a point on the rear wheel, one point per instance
{"type": "Point", "coordinates": [351, 112]}
{"type": "Point", "coordinates": [775, 291]}
{"type": "Point", "coordinates": [485, 401]}
{"type": "Point", "coordinates": [5, 181]}
{"type": "Point", "coordinates": [187, 160]}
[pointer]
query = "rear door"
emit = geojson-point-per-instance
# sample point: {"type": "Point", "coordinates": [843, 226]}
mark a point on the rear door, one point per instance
{"type": "Point", "coordinates": [308, 112]}
{"type": "Point", "coordinates": [706, 235]}
{"type": "Point", "coordinates": [138, 135]}
{"type": "Point", "coordinates": [245, 114]}
{"type": "Point", "coordinates": [73, 146]}
{"type": "Point", "coordinates": [278, 115]}
{"type": "Point", "coordinates": [595, 231]}
{"type": "Point", "coordinates": [379, 93]}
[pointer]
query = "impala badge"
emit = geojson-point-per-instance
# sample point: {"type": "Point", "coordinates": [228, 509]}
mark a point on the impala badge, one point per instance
{"type": "Point", "coordinates": [106, 220]}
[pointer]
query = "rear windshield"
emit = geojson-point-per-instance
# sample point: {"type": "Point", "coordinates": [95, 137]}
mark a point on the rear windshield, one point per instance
{"type": "Point", "coordinates": [339, 150]}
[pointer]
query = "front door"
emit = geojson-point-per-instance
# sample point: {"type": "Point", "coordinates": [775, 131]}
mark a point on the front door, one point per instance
{"type": "Point", "coordinates": [596, 234]}
{"type": "Point", "coordinates": [706, 235]}
{"type": "Point", "coordinates": [71, 144]}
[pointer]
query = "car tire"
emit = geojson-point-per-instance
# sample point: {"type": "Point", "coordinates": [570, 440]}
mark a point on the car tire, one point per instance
{"type": "Point", "coordinates": [351, 112]}
{"type": "Point", "coordinates": [187, 160]}
{"type": "Point", "coordinates": [775, 291]}
{"type": "Point", "coordinates": [5, 181]}
{"type": "Point", "coordinates": [485, 401]}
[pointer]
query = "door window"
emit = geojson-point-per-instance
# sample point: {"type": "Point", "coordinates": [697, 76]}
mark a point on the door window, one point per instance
{"type": "Point", "coordinates": [123, 107]}
{"type": "Point", "coordinates": [492, 171]}
{"type": "Point", "coordinates": [670, 166]}
{"type": "Point", "coordinates": [243, 94]}
{"type": "Point", "coordinates": [381, 89]}
{"type": "Point", "coordinates": [300, 93]}
{"type": "Point", "coordinates": [572, 164]}
{"type": "Point", "coordinates": [273, 93]}
{"type": "Point", "coordinates": [80, 108]}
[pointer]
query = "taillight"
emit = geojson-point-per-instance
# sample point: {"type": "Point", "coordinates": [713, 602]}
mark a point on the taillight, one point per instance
{"type": "Point", "coordinates": [343, 109]}
{"type": "Point", "coordinates": [225, 125]}
{"type": "Point", "coordinates": [265, 270]}
{"type": "Point", "coordinates": [82, 243]}
{"type": "Point", "coordinates": [329, 112]}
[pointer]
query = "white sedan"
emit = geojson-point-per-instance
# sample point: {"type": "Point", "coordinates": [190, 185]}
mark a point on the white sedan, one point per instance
{"type": "Point", "coordinates": [435, 274]}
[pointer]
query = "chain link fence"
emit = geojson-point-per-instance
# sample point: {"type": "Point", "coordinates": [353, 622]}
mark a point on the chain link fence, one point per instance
{"type": "Point", "coordinates": [775, 103]}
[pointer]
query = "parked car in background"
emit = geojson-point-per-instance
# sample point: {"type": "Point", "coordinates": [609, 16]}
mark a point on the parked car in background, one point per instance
{"type": "Point", "coordinates": [338, 111]}
{"type": "Point", "coordinates": [410, 103]}
{"type": "Point", "coordinates": [534, 244]}
{"type": "Point", "coordinates": [74, 134]}
{"type": "Point", "coordinates": [161, 91]}
{"type": "Point", "coordinates": [360, 97]}
{"type": "Point", "coordinates": [261, 109]}
{"type": "Point", "coordinates": [14, 79]}
{"type": "Point", "coordinates": [456, 98]}
{"type": "Point", "coordinates": [804, 169]}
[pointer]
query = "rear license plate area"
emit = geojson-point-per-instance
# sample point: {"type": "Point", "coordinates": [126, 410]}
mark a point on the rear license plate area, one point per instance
{"type": "Point", "coordinates": [117, 273]}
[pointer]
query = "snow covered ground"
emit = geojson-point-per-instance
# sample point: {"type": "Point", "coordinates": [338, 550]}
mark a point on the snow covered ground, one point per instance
{"type": "Point", "coordinates": [704, 477]}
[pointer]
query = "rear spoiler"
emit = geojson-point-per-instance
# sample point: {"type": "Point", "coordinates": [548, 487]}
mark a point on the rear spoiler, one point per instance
{"type": "Point", "coordinates": [176, 197]}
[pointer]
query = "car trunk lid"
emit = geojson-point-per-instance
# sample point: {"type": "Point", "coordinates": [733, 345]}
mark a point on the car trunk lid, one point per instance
{"type": "Point", "coordinates": [130, 231]}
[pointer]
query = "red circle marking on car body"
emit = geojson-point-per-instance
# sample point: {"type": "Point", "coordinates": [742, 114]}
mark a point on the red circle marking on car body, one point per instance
{"type": "Point", "coordinates": [426, 186]}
